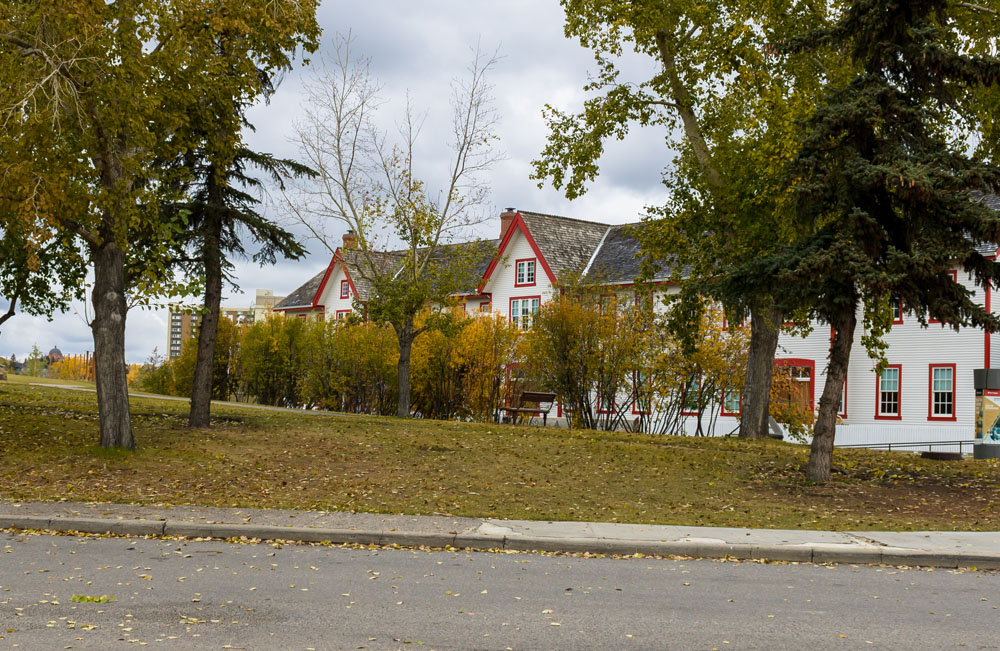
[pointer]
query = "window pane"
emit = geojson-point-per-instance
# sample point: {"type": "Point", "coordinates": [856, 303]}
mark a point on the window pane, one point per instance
{"type": "Point", "coordinates": [531, 271]}
{"type": "Point", "coordinates": [942, 379]}
{"type": "Point", "coordinates": [943, 392]}
{"type": "Point", "coordinates": [889, 392]}
{"type": "Point", "coordinates": [691, 399]}
{"type": "Point", "coordinates": [520, 273]}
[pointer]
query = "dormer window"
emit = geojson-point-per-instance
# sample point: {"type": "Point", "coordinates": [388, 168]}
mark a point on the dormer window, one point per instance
{"type": "Point", "coordinates": [345, 289]}
{"type": "Point", "coordinates": [525, 270]}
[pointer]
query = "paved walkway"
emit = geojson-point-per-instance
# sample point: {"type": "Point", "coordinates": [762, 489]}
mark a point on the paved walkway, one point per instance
{"type": "Point", "coordinates": [936, 549]}
{"type": "Point", "coordinates": [222, 403]}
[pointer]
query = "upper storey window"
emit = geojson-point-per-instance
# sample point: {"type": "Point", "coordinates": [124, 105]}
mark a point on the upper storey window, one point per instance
{"type": "Point", "coordinates": [345, 289]}
{"type": "Point", "coordinates": [525, 273]}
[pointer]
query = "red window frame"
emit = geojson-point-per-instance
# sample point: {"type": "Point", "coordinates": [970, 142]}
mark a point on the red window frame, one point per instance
{"type": "Point", "coordinates": [534, 272]}
{"type": "Point", "coordinates": [899, 302]}
{"type": "Point", "coordinates": [930, 393]}
{"type": "Point", "coordinates": [722, 405]}
{"type": "Point", "coordinates": [510, 309]}
{"type": "Point", "coordinates": [635, 398]}
{"type": "Point", "coordinates": [954, 276]}
{"type": "Point", "coordinates": [743, 322]}
{"type": "Point", "coordinates": [614, 404]}
{"type": "Point", "coordinates": [342, 314]}
{"type": "Point", "coordinates": [684, 410]}
{"type": "Point", "coordinates": [484, 306]}
{"type": "Point", "coordinates": [345, 289]}
{"type": "Point", "coordinates": [644, 297]}
{"type": "Point", "coordinates": [801, 361]}
{"type": "Point", "coordinates": [899, 390]}
{"type": "Point", "coordinates": [604, 301]}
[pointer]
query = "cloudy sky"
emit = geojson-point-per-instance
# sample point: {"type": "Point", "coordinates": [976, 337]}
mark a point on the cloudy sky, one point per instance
{"type": "Point", "coordinates": [419, 48]}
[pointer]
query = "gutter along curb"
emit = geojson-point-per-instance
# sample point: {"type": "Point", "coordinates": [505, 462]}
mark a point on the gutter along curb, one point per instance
{"type": "Point", "coordinates": [801, 553]}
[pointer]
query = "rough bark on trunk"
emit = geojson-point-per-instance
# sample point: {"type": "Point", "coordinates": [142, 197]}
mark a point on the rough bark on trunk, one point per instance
{"type": "Point", "coordinates": [821, 452]}
{"type": "Point", "coordinates": [201, 391]}
{"type": "Point", "coordinates": [765, 323]}
{"type": "Point", "coordinates": [108, 327]}
{"type": "Point", "coordinates": [405, 335]}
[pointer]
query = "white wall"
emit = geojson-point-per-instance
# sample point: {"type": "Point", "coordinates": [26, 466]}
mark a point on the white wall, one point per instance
{"type": "Point", "coordinates": [914, 348]}
{"type": "Point", "coordinates": [501, 283]}
{"type": "Point", "coordinates": [330, 296]}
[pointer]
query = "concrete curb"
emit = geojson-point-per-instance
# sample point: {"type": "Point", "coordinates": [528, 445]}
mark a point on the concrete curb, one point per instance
{"type": "Point", "coordinates": [819, 553]}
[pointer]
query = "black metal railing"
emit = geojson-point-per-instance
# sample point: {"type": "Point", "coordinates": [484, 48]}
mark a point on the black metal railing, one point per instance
{"type": "Point", "coordinates": [910, 445]}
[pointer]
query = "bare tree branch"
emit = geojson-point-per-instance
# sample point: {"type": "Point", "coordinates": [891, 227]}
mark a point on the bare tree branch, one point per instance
{"type": "Point", "coordinates": [977, 8]}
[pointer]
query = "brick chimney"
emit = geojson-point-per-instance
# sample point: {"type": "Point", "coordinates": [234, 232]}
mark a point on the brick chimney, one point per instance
{"type": "Point", "coordinates": [506, 219]}
{"type": "Point", "coordinates": [350, 240]}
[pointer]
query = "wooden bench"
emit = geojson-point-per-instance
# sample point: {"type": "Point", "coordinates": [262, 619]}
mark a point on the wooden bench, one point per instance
{"type": "Point", "coordinates": [542, 399]}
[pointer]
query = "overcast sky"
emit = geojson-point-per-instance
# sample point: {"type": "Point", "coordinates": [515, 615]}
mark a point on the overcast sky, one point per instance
{"type": "Point", "coordinates": [420, 47]}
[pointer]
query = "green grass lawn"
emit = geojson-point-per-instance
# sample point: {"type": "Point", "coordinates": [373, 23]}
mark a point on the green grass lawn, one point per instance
{"type": "Point", "coordinates": [287, 460]}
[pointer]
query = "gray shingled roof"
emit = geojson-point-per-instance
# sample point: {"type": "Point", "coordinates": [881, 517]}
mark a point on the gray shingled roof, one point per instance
{"type": "Point", "coordinates": [389, 262]}
{"type": "Point", "coordinates": [618, 260]}
{"type": "Point", "coordinates": [303, 296]}
{"type": "Point", "coordinates": [479, 255]}
{"type": "Point", "coordinates": [567, 244]}
{"type": "Point", "coordinates": [991, 201]}
{"type": "Point", "coordinates": [357, 266]}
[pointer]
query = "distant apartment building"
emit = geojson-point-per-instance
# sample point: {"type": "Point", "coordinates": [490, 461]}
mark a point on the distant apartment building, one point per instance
{"type": "Point", "coordinates": [184, 319]}
{"type": "Point", "coordinates": [264, 303]}
{"type": "Point", "coordinates": [184, 324]}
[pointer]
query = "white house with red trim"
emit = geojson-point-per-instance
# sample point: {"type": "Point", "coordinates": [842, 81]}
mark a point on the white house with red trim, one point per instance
{"type": "Point", "coordinates": [924, 394]}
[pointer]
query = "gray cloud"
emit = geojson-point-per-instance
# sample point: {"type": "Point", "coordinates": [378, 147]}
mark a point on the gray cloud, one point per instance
{"type": "Point", "coordinates": [421, 47]}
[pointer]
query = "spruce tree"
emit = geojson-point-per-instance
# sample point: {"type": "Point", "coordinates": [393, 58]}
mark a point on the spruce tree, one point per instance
{"type": "Point", "coordinates": [220, 210]}
{"type": "Point", "coordinates": [886, 183]}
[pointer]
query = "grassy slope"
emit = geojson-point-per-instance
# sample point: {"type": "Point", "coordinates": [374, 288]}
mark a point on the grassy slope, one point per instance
{"type": "Point", "coordinates": [287, 460]}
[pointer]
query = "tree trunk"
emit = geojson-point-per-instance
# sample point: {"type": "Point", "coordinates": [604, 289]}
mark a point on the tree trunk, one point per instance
{"type": "Point", "coordinates": [108, 327]}
{"type": "Point", "coordinates": [201, 391]}
{"type": "Point", "coordinates": [765, 323]}
{"type": "Point", "coordinates": [821, 452]}
{"type": "Point", "coordinates": [405, 335]}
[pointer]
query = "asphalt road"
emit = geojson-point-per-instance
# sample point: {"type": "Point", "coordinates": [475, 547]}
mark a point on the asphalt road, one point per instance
{"type": "Point", "coordinates": [218, 595]}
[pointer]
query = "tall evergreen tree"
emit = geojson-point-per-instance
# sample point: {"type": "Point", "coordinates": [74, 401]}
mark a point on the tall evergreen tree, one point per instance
{"type": "Point", "coordinates": [220, 209]}
{"type": "Point", "coordinates": [885, 183]}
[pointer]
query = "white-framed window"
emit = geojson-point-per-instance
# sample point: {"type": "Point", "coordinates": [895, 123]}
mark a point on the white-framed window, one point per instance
{"type": "Point", "coordinates": [525, 270]}
{"type": "Point", "coordinates": [523, 310]}
{"type": "Point", "coordinates": [942, 392]}
{"type": "Point", "coordinates": [888, 392]}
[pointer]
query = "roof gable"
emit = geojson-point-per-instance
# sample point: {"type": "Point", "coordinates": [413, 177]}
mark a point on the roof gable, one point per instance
{"type": "Point", "coordinates": [517, 226]}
